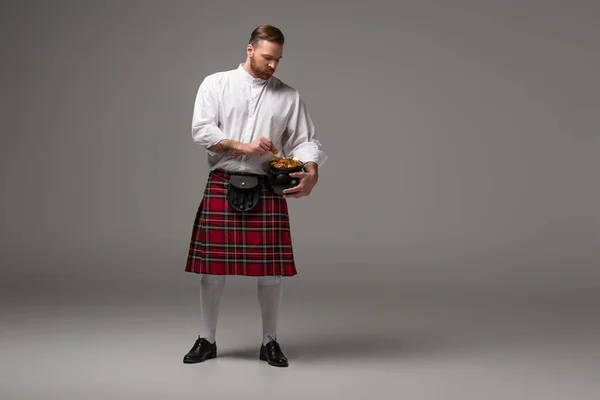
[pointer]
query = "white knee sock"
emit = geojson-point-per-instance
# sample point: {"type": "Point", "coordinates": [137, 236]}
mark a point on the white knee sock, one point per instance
{"type": "Point", "coordinates": [269, 291]}
{"type": "Point", "coordinates": [211, 292]}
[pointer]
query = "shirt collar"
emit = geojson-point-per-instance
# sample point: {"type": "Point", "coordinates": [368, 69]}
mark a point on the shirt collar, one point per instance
{"type": "Point", "coordinates": [249, 78]}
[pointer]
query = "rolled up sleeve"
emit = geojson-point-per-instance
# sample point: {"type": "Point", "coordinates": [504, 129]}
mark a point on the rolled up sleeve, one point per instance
{"type": "Point", "coordinates": [299, 138]}
{"type": "Point", "coordinates": [205, 129]}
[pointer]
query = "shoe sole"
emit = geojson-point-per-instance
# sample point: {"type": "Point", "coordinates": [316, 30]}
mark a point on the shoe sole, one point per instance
{"type": "Point", "coordinates": [208, 357]}
{"type": "Point", "coordinates": [264, 358]}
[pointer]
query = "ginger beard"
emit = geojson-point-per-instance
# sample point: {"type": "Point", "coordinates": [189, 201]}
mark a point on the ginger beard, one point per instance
{"type": "Point", "coordinates": [262, 73]}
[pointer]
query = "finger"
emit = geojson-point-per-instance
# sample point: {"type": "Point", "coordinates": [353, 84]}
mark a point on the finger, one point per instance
{"type": "Point", "coordinates": [294, 189]}
{"type": "Point", "coordinates": [294, 195]}
{"type": "Point", "coordinates": [298, 174]}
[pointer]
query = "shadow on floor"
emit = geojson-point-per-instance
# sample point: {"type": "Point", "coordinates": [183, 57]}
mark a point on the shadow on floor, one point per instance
{"type": "Point", "coordinates": [331, 346]}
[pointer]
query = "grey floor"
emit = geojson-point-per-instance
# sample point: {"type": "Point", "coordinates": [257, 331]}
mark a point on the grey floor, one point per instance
{"type": "Point", "coordinates": [108, 336]}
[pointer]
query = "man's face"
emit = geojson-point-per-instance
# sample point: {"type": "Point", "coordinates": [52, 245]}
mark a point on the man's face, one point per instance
{"type": "Point", "coordinates": [264, 58]}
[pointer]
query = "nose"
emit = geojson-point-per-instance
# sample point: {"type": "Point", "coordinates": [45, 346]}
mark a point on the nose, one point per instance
{"type": "Point", "coordinates": [272, 64]}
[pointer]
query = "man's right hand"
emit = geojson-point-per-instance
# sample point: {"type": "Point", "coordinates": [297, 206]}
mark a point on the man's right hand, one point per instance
{"type": "Point", "coordinates": [260, 146]}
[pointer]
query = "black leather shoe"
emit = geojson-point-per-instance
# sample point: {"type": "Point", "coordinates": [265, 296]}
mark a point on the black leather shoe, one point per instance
{"type": "Point", "coordinates": [203, 350]}
{"type": "Point", "coordinates": [272, 354]}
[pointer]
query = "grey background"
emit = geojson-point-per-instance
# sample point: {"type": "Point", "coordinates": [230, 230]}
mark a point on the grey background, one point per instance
{"type": "Point", "coordinates": [457, 213]}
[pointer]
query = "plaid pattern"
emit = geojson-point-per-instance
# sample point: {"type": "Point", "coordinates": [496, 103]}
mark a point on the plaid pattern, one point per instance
{"type": "Point", "coordinates": [228, 242]}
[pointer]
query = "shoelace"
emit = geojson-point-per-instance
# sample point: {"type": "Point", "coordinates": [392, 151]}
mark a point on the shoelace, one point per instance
{"type": "Point", "coordinates": [275, 344]}
{"type": "Point", "coordinates": [201, 341]}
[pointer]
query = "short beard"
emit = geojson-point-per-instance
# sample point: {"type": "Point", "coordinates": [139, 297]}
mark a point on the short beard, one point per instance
{"type": "Point", "coordinates": [262, 74]}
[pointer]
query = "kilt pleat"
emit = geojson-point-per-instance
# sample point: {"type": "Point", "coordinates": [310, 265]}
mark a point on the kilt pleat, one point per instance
{"type": "Point", "coordinates": [228, 242]}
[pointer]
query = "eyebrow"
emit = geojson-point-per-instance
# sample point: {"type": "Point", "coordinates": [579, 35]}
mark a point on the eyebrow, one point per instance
{"type": "Point", "coordinates": [270, 56]}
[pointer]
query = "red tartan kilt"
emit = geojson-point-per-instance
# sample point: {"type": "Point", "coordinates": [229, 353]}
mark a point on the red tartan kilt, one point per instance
{"type": "Point", "coordinates": [228, 242]}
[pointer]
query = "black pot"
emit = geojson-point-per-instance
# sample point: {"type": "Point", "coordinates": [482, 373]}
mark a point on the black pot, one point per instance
{"type": "Point", "coordinates": [280, 179]}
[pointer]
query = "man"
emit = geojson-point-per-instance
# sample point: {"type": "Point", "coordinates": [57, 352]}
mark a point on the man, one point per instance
{"type": "Point", "coordinates": [242, 117]}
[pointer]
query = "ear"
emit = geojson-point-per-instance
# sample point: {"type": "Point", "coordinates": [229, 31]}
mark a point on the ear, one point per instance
{"type": "Point", "coordinates": [249, 49]}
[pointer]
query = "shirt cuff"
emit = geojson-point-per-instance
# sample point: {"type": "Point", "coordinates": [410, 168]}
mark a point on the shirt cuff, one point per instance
{"type": "Point", "coordinates": [307, 154]}
{"type": "Point", "coordinates": [211, 136]}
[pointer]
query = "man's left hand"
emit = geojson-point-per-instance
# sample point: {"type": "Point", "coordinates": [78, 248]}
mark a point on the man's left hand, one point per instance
{"type": "Point", "coordinates": [308, 180]}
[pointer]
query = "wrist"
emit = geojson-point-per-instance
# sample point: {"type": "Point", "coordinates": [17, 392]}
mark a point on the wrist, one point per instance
{"type": "Point", "coordinates": [312, 168]}
{"type": "Point", "coordinates": [242, 148]}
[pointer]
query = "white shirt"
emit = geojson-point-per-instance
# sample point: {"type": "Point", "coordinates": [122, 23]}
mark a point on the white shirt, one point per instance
{"type": "Point", "coordinates": [235, 105]}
